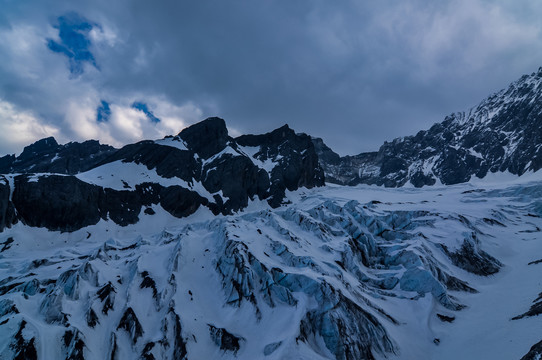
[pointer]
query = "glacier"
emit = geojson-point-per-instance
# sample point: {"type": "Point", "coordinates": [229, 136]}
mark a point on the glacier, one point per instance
{"type": "Point", "coordinates": [335, 272]}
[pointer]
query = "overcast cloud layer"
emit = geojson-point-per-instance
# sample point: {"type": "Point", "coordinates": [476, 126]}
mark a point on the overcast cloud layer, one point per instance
{"type": "Point", "coordinates": [355, 73]}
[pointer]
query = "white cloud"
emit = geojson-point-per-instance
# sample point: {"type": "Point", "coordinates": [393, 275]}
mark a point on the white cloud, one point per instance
{"type": "Point", "coordinates": [128, 125]}
{"type": "Point", "coordinates": [71, 103]}
{"type": "Point", "coordinates": [174, 118]}
{"type": "Point", "coordinates": [104, 34]}
{"type": "Point", "coordinates": [20, 128]}
{"type": "Point", "coordinates": [80, 119]}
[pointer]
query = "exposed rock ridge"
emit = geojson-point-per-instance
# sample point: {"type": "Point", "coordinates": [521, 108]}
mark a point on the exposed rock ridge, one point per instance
{"type": "Point", "coordinates": [503, 133]}
{"type": "Point", "coordinates": [47, 156]}
{"type": "Point", "coordinates": [201, 166]}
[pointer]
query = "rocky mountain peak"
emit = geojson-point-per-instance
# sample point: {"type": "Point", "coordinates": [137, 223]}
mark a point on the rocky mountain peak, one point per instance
{"type": "Point", "coordinates": [282, 132]}
{"type": "Point", "coordinates": [47, 156]}
{"type": "Point", "coordinates": [201, 167]}
{"type": "Point", "coordinates": [207, 137]}
{"type": "Point", "coordinates": [39, 146]}
{"type": "Point", "coordinates": [501, 134]}
{"type": "Point", "coordinates": [325, 154]}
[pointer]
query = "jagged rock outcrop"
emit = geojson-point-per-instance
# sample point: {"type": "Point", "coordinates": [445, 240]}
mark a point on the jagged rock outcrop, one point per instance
{"type": "Point", "coordinates": [56, 202]}
{"type": "Point", "coordinates": [167, 161]}
{"type": "Point", "coordinates": [474, 260]}
{"type": "Point", "coordinates": [23, 345]}
{"type": "Point", "coordinates": [7, 210]}
{"type": "Point", "coordinates": [225, 340]}
{"type": "Point", "coordinates": [201, 166]}
{"type": "Point", "coordinates": [47, 156]}
{"type": "Point", "coordinates": [206, 138]}
{"type": "Point", "coordinates": [130, 323]}
{"type": "Point", "coordinates": [241, 169]}
{"type": "Point", "coordinates": [66, 203]}
{"type": "Point", "coordinates": [534, 353]}
{"type": "Point", "coordinates": [298, 164]}
{"type": "Point", "coordinates": [502, 133]}
{"type": "Point", "coordinates": [74, 344]}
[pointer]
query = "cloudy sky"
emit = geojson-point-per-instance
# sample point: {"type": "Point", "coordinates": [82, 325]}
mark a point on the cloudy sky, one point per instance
{"type": "Point", "coordinates": [355, 73]}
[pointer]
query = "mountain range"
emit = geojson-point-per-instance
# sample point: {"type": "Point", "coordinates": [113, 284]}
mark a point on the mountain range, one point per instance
{"type": "Point", "coordinates": [201, 245]}
{"type": "Point", "coordinates": [501, 134]}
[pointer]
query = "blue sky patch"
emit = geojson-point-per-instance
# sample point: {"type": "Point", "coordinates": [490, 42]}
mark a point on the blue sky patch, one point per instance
{"type": "Point", "coordinates": [73, 31]}
{"type": "Point", "coordinates": [104, 112]}
{"type": "Point", "coordinates": [141, 106]}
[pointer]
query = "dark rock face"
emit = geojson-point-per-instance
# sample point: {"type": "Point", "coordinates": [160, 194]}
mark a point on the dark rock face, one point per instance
{"type": "Point", "coordinates": [297, 159]}
{"type": "Point", "coordinates": [6, 163]}
{"type": "Point", "coordinates": [219, 163]}
{"type": "Point", "coordinates": [74, 345]}
{"type": "Point", "coordinates": [166, 160]}
{"type": "Point", "coordinates": [203, 153]}
{"type": "Point", "coordinates": [181, 202]}
{"type": "Point", "coordinates": [106, 294]}
{"type": "Point", "coordinates": [325, 154]}
{"type": "Point", "coordinates": [92, 318]}
{"type": "Point", "coordinates": [147, 352]}
{"type": "Point", "coordinates": [534, 310]}
{"type": "Point", "coordinates": [123, 207]}
{"type": "Point", "coordinates": [474, 260]}
{"type": "Point", "coordinates": [534, 353]}
{"type": "Point", "coordinates": [7, 210]}
{"type": "Point", "coordinates": [179, 343]}
{"type": "Point", "coordinates": [238, 179]}
{"type": "Point", "coordinates": [7, 307]}
{"type": "Point", "coordinates": [207, 137]}
{"type": "Point", "coordinates": [445, 318]}
{"type": "Point", "coordinates": [24, 349]}
{"type": "Point", "coordinates": [131, 324]}
{"type": "Point", "coordinates": [57, 202]}
{"type": "Point", "coordinates": [47, 156]}
{"type": "Point", "coordinates": [6, 245]}
{"type": "Point", "coordinates": [113, 346]}
{"type": "Point", "coordinates": [148, 282]}
{"type": "Point", "coordinates": [502, 133]}
{"type": "Point", "coordinates": [225, 340]}
{"type": "Point", "coordinates": [66, 203]}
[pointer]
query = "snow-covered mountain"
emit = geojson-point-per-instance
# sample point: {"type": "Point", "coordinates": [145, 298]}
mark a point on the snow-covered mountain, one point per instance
{"type": "Point", "coordinates": [204, 246]}
{"type": "Point", "coordinates": [502, 134]}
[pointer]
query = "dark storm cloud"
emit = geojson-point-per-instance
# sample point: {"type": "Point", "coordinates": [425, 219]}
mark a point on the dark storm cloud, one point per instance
{"type": "Point", "coordinates": [355, 73]}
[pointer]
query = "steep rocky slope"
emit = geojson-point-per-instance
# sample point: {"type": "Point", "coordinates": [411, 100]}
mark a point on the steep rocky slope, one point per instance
{"type": "Point", "coordinates": [502, 134]}
{"type": "Point", "coordinates": [201, 166]}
